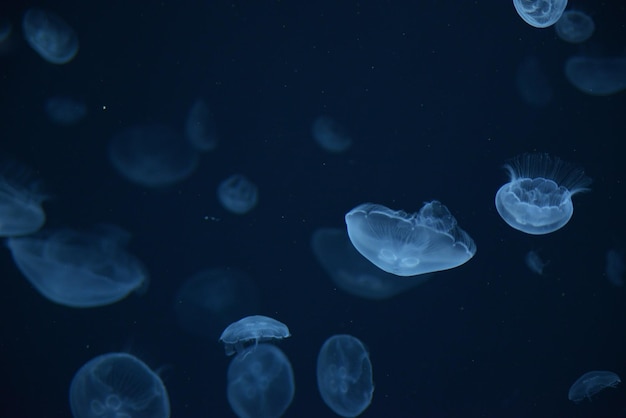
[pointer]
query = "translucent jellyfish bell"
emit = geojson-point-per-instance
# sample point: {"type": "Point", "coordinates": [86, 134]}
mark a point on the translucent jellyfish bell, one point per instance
{"type": "Point", "coordinates": [409, 244]}
{"type": "Point", "coordinates": [20, 202]}
{"type": "Point", "coordinates": [49, 35]}
{"type": "Point", "coordinates": [538, 198]}
{"type": "Point", "coordinates": [255, 328]}
{"type": "Point", "coordinates": [540, 13]}
{"type": "Point", "coordinates": [574, 27]}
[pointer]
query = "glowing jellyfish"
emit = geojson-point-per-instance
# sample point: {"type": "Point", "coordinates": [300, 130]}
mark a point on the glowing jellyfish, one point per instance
{"type": "Point", "coordinates": [260, 382]}
{"type": "Point", "coordinates": [330, 136]}
{"type": "Point", "coordinates": [538, 198]}
{"type": "Point", "coordinates": [118, 385]}
{"type": "Point", "coordinates": [409, 244]}
{"type": "Point", "coordinates": [540, 13]}
{"type": "Point", "coordinates": [574, 27]}
{"type": "Point", "coordinates": [238, 194]}
{"type": "Point", "coordinates": [20, 202]}
{"type": "Point", "coordinates": [591, 383]}
{"type": "Point", "coordinates": [535, 263]}
{"type": "Point", "coordinates": [597, 76]}
{"type": "Point", "coordinates": [200, 127]}
{"type": "Point", "coordinates": [49, 35]}
{"type": "Point", "coordinates": [255, 328]}
{"type": "Point", "coordinates": [79, 269]}
{"type": "Point", "coordinates": [344, 375]}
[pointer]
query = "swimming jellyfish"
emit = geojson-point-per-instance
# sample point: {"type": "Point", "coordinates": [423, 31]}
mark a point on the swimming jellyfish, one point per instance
{"type": "Point", "coordinates": [200, 127]}
{"type": "Point", "coordinates": [540, 13]}
{"type": "Point", "coordinates": [237, 194]}
{"type": "Point", "coordinates": [538, 198]}
{"type": "Point", "coordinates": [344, 375]}
{"type": "Point", "coordinates": [49, 35]}
{"type": "Point", "coordinates": [615, 267]}
{"type": "Point", "coordinates": [118, 385]}
{"type": "Point", "coordinates": [535, 263]}
{"type": "Point", "coordinates": [260, 382]}
{"type": "Point", "coordinates": [597, 76]}
{"type": "Point", "coordinates": [20, 203]}
{"type": "Point", "coordinates": [79, 269]}
{"type": "Point", "coordinates": [331, 136]}
{"type": "Point", "coordinates": [574, 27]}
{"type": "Point", "coordinates": [591, 383]}
{"type": "Point", "coordinates": [407, 244]}
{"type": "Point", "coordinates": [255, 328]}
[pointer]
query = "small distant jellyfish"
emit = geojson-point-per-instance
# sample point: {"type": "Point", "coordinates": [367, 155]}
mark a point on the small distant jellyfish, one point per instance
{"type": "Point", "coordinates": [65, 111]}
{"type": "Point", "coordinates": [597, 76]}
{"type": "Point", "coordinates": [408, 244]}
{"type": "Point", "coordinates": [200, 127]}
{"type": "Point", "coordinates": [21, 212]}
{"type": "Point", "coordinates": [535, 263]}
{"type": "Point", "coordinates": [574, 27]}
{"type": "Point", "coordinates": [255, 328]}
{"type": "Point", "coordinates": [540, 13]}
{"type": "Point", "coordinates": [615, 267]}
{"type": "Point", "coordinates": [49, 35]}
{"type": "Point", "coordinates": [238, 194]}
{"type": "Point", "coordinates": [330, 135]}
{"type": "Point", "coordinates": [591, 383]}
{"type": "Point", "coordinates": [538, 198]}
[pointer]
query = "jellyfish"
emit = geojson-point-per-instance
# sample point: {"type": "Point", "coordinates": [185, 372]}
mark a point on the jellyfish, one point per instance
{"type": "Point", "coordinates": [409, 244]}
{"type": "Point", "coordinates": [200, 127]}
{"type": "Point", "coordinates": [352, 273]}
{"type": "Point", "coordinates": [65, 111]}
{"type": "Point", "coordinates": [238, 194]}
{"type": "Point", "coordinates": [256, 328]}
{"type": "Point", "coordinates": [118, 385]}
{"type": "Point", "coordinates": [591, 383]}
{"type": "Point", "coordinates": [535, 263]}
{"type": "Point", "coordinates": [344, 375]}
{"type": "Point", "coordinates": [152, 155]}
{"type": "Point", "coordinates": [615, 267]}
{"type": "Point", "coordinates": [597, 76]}
{"type": "Point", "coordinates": [538, 198]}
{"type": "Point", "coordinates": [330, 135]}
{"type": "Point", "coordinates": [79, 269]}
{"type": "Point", "coordinates": [49, 35]}
{"type": "Point", "coordinates": [211, 299]}
{"type": "Point", "coordinates": [540, 13]}
{"type": "Point", "coordinates": [21, 198]}
{"type": "Point", "coordinates": [260, 382]}
{"type": "Point", "coordinates": [574, 27]}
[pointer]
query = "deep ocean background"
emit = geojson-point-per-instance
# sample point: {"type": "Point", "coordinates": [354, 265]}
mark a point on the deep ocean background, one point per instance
{"type": "Point", "coordinates": [427, 91]}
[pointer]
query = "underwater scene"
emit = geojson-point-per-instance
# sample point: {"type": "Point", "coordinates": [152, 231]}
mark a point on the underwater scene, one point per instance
{"type": "Point", "coordinates": [280, 208]}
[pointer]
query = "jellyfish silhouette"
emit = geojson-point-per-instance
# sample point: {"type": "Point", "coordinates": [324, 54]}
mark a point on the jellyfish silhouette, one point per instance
{"type": "Point", "coordinates": [538, 198]}
{"type": "Point", "coordinates": [409, 244]}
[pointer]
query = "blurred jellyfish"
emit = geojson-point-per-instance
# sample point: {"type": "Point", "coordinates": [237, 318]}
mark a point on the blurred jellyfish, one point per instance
{"type": "Point", "coordinates": [330, 136]}
{"type": "Point", "coordinates": [5, 29]}
{"type": "Point", "coordinates": [212, 299]}
{"type": "Point", "coordinates": [532, 83]}
{"type": "Point", "coordinates": [534, 262]}
{"type": "Point", "coordinates": [409, 244]}
{"type": "Point", "coordinates": [200, 127]}
{"type": "Point", "coordinates": [540, 13]}
{"type": "Point", "coordinates": [49, 35]}
{"type": "Point", "coordinates": [238, 194]}
{"type": "Point", "coordinates": [260, 382]}
{"type": "Point", "coordinates": [65, 111]}
{"type": "Point", "coordinates": [20, 202]}
{"type": "Point", "coordinates": [590, 383]}
{"type": "Point", "coordinates": [152, 155]}
{"type": "Point", "coordinates": [118, 385]}
{"type": "Point", "coordinates": [574, 27]}
{"type": "Point", "coordinates": [351, 272]}
{"type": "Point", "coordinates": [615, 267]}
{"type": "Point", "coordinates": [538, 198]}
{"type": "Point", "coordinates": [255, 328]}
{"type": "Point", "coordinates": [79, 269]}
{"type": "Point", "coordinates": [344, 375]}
{"type": "Point", "coordinates": [597, 76]}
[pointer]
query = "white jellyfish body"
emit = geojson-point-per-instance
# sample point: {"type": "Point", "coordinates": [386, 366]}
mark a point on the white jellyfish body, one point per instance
{"type": "Point", "coordinates": [540, 13]}
{"type": "Point", "coordinates": [574, 27]}
{"type": "Point", "coordinates": [408, 244]}
{"type": "Point", "coordinates": [538, 198]}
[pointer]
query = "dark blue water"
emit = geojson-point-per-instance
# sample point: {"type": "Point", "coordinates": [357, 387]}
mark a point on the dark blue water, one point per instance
{"type": "Point", "coordinates": [427, 91]}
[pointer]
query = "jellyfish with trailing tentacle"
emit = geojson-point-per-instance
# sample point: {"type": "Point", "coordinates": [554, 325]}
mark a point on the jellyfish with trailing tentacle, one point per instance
{"type": "Point", "coordinates": [538, 198]}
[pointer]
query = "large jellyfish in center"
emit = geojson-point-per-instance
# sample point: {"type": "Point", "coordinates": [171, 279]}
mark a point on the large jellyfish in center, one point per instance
{"type": "Point", "coordinates": [538, 198]}
{"type": "Point", "coordinates": [407, 244]}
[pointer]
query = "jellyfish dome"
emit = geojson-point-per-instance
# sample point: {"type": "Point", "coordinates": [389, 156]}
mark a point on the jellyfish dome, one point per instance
{"type": "Point", "coordinates": [575, 27]}
{"type": "Point", "coordinates": [540, 13]}
{"type": "Point", "coordinates": [409, 244]}
{"type": "Point", "coordinates": [538, 198]}
{"type": "Point", "coordinates": [255, 328]}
